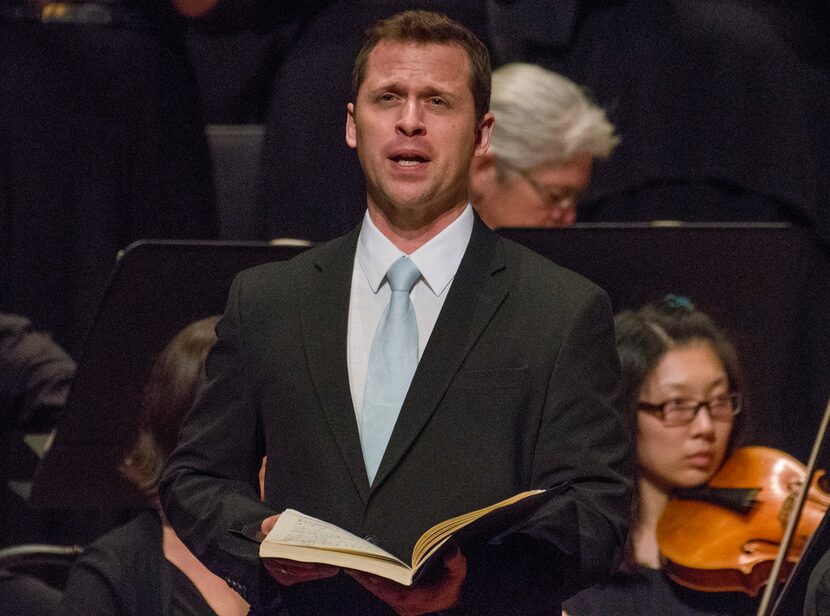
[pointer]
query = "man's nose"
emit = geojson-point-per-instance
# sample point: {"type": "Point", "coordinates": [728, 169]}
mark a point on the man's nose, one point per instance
{"type": "Point", "coordinates": [411, 121]}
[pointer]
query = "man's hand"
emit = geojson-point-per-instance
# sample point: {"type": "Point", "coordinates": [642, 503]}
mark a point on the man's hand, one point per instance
{"type": "Point", "coordinates": [407, 601]}
{"type": "Point", "coordinates": [288, 572]}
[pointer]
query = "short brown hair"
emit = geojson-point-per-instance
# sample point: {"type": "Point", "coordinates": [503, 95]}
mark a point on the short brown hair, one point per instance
{"type": "Point", "coordinates": [429, 27]}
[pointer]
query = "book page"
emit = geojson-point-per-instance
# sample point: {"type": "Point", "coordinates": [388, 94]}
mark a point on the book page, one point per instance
{"type": "Point", "coordinates": [295, 528]}
{"type": "Point", "coordinates": [436, 536]}
{"type": "Point", "coordinates": [300, 537]}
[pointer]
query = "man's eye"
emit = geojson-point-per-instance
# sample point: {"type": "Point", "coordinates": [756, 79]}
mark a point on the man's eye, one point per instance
{"type": "Point", "coordinates": [386, 97]}
{"type": "Point", "coordinates": [437, 102]}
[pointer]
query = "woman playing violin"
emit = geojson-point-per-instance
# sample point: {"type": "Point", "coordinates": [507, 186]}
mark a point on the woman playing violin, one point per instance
{"type": "Point", "coordinates": [681, 391]}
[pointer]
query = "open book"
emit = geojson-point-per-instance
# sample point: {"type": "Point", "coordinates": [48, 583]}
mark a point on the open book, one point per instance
{"type": "Point", "coordinates": [297, 536]}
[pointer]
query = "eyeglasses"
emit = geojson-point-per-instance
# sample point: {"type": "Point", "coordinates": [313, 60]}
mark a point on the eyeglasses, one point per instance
{"type": "Point", "coordinates": [563, 198]}
{"type": "Point", "coordinates": [682, 411]}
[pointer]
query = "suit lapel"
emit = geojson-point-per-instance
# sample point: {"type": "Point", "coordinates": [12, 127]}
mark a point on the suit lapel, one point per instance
{"type": "Point", "coordinates": [325, 313]}
{"type": "Point", "coordinates": [475, 294]}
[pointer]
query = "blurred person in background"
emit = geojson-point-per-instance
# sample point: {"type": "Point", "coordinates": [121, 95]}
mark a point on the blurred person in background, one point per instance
{"type": "Point", "coordinates": [142, 567]}
{"type": "Point", "coordinates": [547, 135]}
{"type": "Point", "coordinates": [683, 395]}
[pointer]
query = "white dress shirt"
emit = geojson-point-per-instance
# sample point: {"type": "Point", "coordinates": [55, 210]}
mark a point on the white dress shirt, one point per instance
{"type": "Point", "coordinates": [438, 260]}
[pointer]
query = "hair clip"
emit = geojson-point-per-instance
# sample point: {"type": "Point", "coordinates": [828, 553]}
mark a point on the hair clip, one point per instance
{"type": "Point", "coordinates": [678, 301]}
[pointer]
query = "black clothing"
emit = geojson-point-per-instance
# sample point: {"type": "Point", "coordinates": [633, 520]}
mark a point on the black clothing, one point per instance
{"type": "Point", "coordinates": [125, 573]}
{"type": "Point", "coordinates": [35, 376]}
{"type": "Point", "coordinates": [649, 592]}
{"type": "Point", "coordinates": [101, 144]}
{"type": "Point", "coordinates": [817, 595]}
{"type": "Point", "coordinates": [24, 595]}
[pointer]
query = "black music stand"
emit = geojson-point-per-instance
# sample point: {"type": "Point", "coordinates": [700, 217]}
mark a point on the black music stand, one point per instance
{"type": "Point", "coordinates": [752, 278]}
{"type": "Point", "coordinates": [156, 289]}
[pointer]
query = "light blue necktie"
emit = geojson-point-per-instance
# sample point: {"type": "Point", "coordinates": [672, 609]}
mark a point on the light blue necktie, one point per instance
{"type": "Point", "coordinates": [392, 362]}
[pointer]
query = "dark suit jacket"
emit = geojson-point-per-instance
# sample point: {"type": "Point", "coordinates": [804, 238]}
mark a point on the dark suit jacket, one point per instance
{"type": "Point", "coordinates": [512, 392]}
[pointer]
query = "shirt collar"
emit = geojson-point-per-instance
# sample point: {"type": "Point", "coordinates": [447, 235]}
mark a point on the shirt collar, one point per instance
{"type": "Point", "coordinates": [438, 259]}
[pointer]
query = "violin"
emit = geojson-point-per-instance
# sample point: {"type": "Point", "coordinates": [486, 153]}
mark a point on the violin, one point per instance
{"type": "Point", "coordinates": [726, 535]}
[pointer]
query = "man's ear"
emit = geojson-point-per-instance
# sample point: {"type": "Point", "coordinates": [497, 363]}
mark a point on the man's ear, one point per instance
{"type": "Point", "coordinates": [351, 129]}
